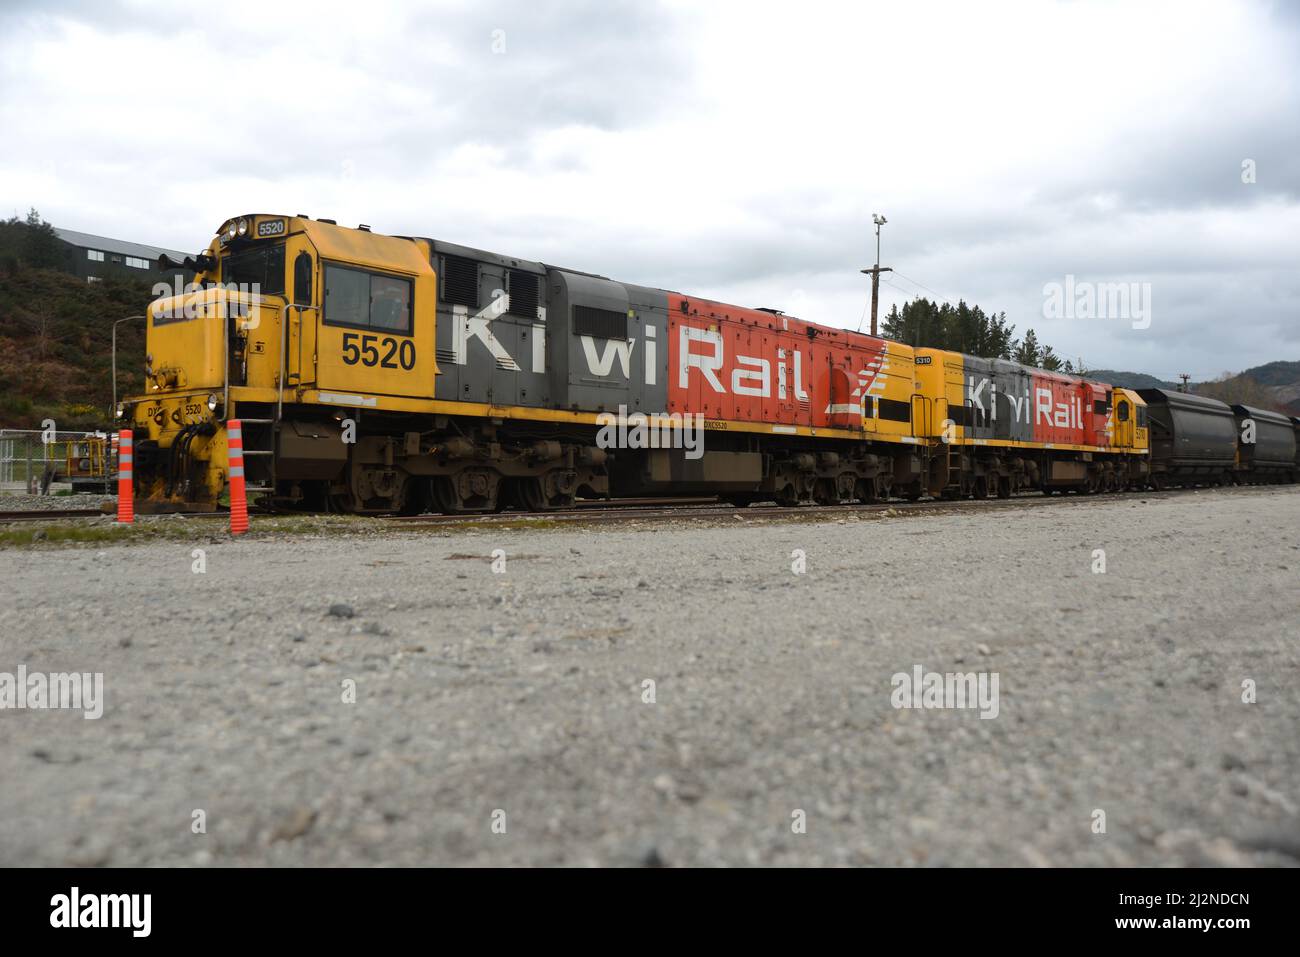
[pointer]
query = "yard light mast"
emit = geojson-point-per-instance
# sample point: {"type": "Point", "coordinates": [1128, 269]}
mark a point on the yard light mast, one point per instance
{"type": "Point", "coordinates": [875, 271]}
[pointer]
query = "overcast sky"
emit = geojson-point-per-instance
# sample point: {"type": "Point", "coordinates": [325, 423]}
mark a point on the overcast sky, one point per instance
{"type": "Point", "coordinates": [730, 150]}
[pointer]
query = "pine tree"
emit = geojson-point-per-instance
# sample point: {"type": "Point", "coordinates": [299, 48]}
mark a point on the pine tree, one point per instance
{"type": "Point", "coordinates": [41, 246]}
{"type": "Point", "coordinates": [892, 327]}
{"type": "Point", "coordinates": [1027, 351]}
{"type": "Point", "coordinates": [925, 324]}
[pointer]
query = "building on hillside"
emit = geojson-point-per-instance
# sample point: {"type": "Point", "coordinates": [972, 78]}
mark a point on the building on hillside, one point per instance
{"type": "Point", "coordinates": [95, 257]}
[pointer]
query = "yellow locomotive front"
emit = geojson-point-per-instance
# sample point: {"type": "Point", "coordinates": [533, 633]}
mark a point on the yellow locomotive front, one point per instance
{"type": "Point", "coordinates": [288, 324]}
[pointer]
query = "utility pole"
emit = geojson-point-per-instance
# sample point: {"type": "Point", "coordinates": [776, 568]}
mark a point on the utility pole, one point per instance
{"type": "Point", "coordinates": [876, 270]}
{"type": "Point", "coordinates": [1184, 376]}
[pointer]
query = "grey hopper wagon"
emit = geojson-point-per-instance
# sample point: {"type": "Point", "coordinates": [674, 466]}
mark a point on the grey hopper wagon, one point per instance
{"type": "Point", "coordinates": [1267, 445]}
{"type": "Point", "coordinates": [1193, 438]}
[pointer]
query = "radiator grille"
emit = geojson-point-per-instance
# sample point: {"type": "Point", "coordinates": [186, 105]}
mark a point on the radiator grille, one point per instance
{"type": "Point", "coordinates": [600, 323]}
{"type": "Point", "coordinates": [460, 281]}
{"type": "Point", "coordinates": [523, 293]}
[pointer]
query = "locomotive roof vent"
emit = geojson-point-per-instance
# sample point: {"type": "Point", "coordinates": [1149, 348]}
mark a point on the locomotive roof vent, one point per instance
{"type": "Point", "coordinates": [363, 226]}
{"type": "Point", "coordinates": [332, 222]}
{"type": "Point", "coordinates": [775, 312]}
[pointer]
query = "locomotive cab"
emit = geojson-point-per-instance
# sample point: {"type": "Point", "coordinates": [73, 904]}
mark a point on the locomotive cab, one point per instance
{"type": "Point", "coordinates": [284, 313]}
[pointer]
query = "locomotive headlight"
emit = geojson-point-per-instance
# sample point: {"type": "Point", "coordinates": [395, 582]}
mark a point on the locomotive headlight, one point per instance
{"type": "Point", "coordinates": [212, 402]}
{"type": "Point", "coordinates": [242, 227]}
{"type": "Point", "coordinates": [231, 231]}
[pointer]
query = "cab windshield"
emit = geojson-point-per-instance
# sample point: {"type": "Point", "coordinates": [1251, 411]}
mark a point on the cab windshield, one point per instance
{"type": "Point", "coordinates": [261, 265]}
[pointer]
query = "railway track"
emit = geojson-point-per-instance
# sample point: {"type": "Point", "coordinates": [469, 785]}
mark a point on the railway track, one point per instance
{"type": "Point", "coordinates": [651, 509]}
{"type": "Point", "coordinates": [32, 515]}
{"type": "Point", "coordinates": [699, 511]}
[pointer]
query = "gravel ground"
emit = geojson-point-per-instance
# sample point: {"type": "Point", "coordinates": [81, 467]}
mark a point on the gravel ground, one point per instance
{"type": "Point", "coordinates": [17, 502]}
{"type": "Point", "coordinates": [517, 698]}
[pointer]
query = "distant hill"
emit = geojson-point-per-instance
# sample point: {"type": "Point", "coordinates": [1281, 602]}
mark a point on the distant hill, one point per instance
{"type": "Point", "coordinates": [1276, 373]}
{"type": "Point", "coordinates": [1274, 385]}
{"type": "Point", "coordinates": [1280, 381]}
{"type": "Point", "coordinates": [1130, 380]}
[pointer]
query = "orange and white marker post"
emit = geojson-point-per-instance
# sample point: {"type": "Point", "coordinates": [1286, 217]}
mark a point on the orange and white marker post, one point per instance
{"type": "Point", "coordinates": [125, 478]}
{"type": "Point", "coordinates": [235, 458]}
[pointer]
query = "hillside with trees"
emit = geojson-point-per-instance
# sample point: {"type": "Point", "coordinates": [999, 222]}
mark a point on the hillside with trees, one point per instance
{"type": "Point", "coordinates": [55, 333]}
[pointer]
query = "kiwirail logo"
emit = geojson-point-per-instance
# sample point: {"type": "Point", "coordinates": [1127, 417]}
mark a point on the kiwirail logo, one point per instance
{"type": "Point", "coordinates": [951, 690]}
{"type": "Point", "coordinates": [75, 691]}
{"type": "Point", "coordinates": [133, 911]}
{"type": "Point", "coordinates": [655, 431]}
{"type": "Point", "coordinates": [1098, 300]}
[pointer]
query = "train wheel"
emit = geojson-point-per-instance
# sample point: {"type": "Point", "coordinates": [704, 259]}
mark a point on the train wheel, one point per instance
{"type": "Point", "coordinates": [912, 491]}
{"type": "Point", "coordinates": [530, 494]}
{"type": "Point", "coordinates": [550, 492]}
{"type": "Point", "coordinates": [341, 501]}
{"type": "Point", "coordinates": [444, 497]}
{"type": "Point", "coordinates": [981, 486]}
{"type": "Point", "coordinates": [416, 496]}
{"type": "Point", "coordinates": [1004, 486]}
{"type": "Point", "coordinates": [864, 490]}
{"type": "Point", "coordinates": [506, 495]}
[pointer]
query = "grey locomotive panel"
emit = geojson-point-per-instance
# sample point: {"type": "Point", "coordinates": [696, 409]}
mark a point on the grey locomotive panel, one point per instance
{"type": "Point", "coordinates": [590, 343]}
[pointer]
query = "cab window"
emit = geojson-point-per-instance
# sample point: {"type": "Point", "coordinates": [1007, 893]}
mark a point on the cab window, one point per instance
{"type": "Point", "coordinates": [366, 300]}
{"type": "Point", "coordinates": [260, 266]}
{"type": "Point", "coordinates": [1123, 412]}
{"type": "Point", "coordinates": [302, 279]}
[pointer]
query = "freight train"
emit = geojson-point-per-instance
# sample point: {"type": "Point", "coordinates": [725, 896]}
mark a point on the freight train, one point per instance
{"type": "Point", "coordinates": [382, 374]}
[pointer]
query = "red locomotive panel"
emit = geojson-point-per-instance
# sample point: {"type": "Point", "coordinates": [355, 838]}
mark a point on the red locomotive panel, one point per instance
{"type": "Point", "coordinates": [1069, 411]}
{"type": "Point", "coordinates": [1056, 407]}
{"type": "Point", "coordinates": [747, 365]}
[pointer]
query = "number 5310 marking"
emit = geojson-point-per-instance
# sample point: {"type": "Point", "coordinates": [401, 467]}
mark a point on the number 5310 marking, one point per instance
{"type": "Point", "coordinates": [366, 350]}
